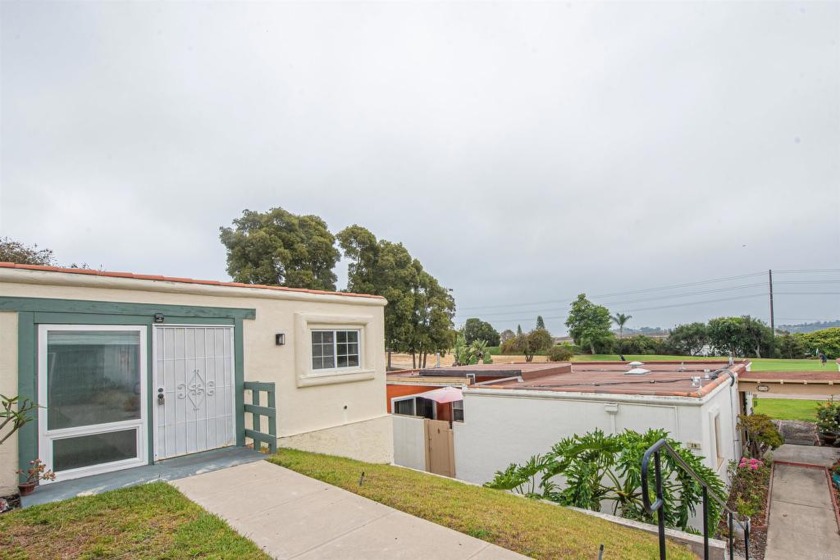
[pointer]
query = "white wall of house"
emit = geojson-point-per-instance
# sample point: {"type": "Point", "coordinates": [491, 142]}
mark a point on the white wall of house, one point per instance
{"type": "Point", "coordinates": [509, 426]}
{"type": "Point", "coordinates": [409, 441]}
{"type": "Point", "coordinates": [8, 387]}
{"type": "Point", "coordinates": [351, 404]}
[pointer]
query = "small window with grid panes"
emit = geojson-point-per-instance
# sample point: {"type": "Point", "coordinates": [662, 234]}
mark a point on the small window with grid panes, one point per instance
{"type": "Point", "coordinates": [335, 349]}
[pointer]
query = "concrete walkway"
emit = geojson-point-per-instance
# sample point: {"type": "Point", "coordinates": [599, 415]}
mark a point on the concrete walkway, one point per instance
{"type": "Point", "coordinates": [169, 469]}
{"type": "Point", "coordinates": [802, 522]}
{"type": "Point", "coordinates": [289, 515]}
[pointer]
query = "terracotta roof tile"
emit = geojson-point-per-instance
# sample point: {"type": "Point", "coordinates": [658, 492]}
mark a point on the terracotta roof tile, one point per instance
{"type": "Point", "coordinates": [159, 278]}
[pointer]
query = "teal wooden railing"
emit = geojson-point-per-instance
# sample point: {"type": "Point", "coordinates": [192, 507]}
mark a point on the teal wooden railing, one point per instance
{"type": "Point", "coordinates": [258, 411]}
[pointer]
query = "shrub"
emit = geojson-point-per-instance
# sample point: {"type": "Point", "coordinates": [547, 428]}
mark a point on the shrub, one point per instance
{"type": "Point", "coordinates": [762, 434]}
{"type": "Point", "coordinates": [14, 413]}
{"type": "Point", "coordinates": [604, 470]}
{"type": "Point", "coordinates": [560, 353]}
{"type": "Point", "coordinates": [638, 344]}
{"type": "Point", "coordinates": [828, 417]}
{"type": "Point", "coordinates": [750, 480]}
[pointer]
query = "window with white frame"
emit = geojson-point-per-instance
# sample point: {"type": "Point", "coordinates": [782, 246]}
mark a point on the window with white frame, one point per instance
{"type": "Point", "coordinates": [335, 349]}
{"type": "Point", "coordinates": [92, 386]}
{"type": "Point", "coordinates": [415, 406]}
{"type": "Point", "coordinates": [458, 411]}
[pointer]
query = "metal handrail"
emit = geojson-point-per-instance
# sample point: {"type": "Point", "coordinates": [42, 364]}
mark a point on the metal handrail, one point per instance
{"type": "Point", "coordinates": [658, 505]}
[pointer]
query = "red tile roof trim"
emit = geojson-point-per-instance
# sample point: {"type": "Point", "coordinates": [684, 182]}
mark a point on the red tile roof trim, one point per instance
{"type": "Point", "coordinates": [159, 278]}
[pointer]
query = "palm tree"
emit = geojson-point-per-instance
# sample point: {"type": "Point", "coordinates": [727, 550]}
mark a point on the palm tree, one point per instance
{"type": "Point", "coordinates": [621, 319]}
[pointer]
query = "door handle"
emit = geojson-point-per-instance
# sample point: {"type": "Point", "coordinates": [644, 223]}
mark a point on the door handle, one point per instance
{"type": "Point", "coordinates": [160, 397]}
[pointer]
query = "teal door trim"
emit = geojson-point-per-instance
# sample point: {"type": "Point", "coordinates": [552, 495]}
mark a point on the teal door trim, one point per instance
{"type": "Point", "coordinates": [119, 308]}
{"type": "Point", "coordinates": [36, 311]}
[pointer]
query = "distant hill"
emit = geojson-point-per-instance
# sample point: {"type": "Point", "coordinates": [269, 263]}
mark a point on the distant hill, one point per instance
{"type": "Point", "coordinates": [808, 327]}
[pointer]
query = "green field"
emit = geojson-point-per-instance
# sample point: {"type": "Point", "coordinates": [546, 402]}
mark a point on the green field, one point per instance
{"type": "Point", "coordinates": [638, 357]}
{"type": "Point", "coordinates": [758, 364]}
{"type": "Point", "coordinates": [787, 409]}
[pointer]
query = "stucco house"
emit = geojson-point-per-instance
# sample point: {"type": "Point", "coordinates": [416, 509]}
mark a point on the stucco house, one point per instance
{"type": "Point", "coordinates": [131, 369]}
{"type": "Point", "coordinates": [513, 411]}
{"type": "Point", "coordinates": [525, 413]}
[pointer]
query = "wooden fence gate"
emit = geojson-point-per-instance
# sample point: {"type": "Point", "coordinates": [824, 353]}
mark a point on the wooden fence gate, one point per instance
{"type": "Point", "coordinates": [440, 448]}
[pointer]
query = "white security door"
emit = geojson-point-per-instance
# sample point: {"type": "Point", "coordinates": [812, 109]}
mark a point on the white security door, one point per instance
{"type": "Point", "coordinates": [193, 392]}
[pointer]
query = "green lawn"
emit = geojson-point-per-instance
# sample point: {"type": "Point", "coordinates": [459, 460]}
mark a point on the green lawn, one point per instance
{"type": "Point", "coordinates": [758, 364]}
{"type": "Point", "coordinates": [149, 521]}
{"type": "Point", "coordinates": [637, 357]}
{"type": "Point", "coordinates": [787, 409]}
{"type": "Point", "coordinates": [536, 529]}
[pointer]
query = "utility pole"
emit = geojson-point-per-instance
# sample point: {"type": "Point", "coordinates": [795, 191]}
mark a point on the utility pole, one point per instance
{"type": "Point", "coordinates": [772, 312]}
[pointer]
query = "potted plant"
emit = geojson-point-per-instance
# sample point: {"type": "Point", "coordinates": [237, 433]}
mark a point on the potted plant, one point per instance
{"type": "Point", "coordinates": [828, 422]}
{"type": "Point", "coordinates": [31, 477]}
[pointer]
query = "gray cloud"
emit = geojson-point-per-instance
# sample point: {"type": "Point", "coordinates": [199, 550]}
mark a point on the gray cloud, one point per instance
{"type": "Point", "coordinates": [524, 152]}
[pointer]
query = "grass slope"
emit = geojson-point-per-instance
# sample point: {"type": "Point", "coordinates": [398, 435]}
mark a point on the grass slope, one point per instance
{"type": "Point", "coordinates": [149, 521]}
{"type": "Point", "coordinates": [529, 527]}
{"type": "Point", "coordinates": [787, 409]}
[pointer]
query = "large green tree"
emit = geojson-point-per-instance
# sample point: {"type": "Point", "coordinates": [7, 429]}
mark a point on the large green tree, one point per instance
{"type": "Point", "coordinates": [825, 340]}
{"type": "Point", "coordinates": [19, 253]}
{"type": "Point", "coordinates": [741, 336]}
{"type": "Point", "coordinates": [418, 318]}
{"type": "Point", "coordinates": [689, 339]}
{"type": "Point", "coordinates": [279, 248]}
{"type": "Point", "coordinates": [538, 340]}
{"type": "Point", "coordinates": [431, 326]}
{"type": "Point", "coordinates": [589, 324]}
{"type": "Point", "coordinates": [476, 329]}
{"type": "Point", "coordinates": [791, 346]}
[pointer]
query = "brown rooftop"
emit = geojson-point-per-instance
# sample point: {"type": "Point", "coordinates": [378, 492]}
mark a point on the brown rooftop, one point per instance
{"type": "Point", "coordinates": [663, 379]}
{"type": "Point", "coordinates": [131, 275]}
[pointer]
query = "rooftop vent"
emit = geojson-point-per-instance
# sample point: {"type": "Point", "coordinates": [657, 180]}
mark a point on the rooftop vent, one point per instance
{"type": "Point", "coordinates": [637, 371]}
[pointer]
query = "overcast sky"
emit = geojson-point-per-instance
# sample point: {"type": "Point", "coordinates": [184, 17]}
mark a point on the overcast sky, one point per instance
{"type": "Point", "coordinates": [524, 152]}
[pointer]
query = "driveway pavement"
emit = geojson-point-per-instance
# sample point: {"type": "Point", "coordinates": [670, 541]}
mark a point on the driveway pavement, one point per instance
{"type": "Point", "coordinates": [289, 515]}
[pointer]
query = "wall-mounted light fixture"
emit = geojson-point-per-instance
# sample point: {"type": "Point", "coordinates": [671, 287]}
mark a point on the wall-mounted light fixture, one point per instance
{"type": "Point", "coordinates": [159, 318]}
{"type": "Point", "coordinates": [280, 339]}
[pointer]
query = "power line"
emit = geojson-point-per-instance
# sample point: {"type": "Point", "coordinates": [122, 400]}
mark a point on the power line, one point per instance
{"type": "Point", "coordinates": [614, 294]}
{"type": "Point", "coordinates": [685, 304]}
{"type": "Point", "coordinates": [807, 270]}
{"type": "Point", "coordinates": [809, 293]}
{"type": "Point", "coordinates": [686, 285]}
{"type": "Point", "coordinates": [832, 281]}
{"type": "Point", "coordinates": [624, 302]}
{"type": "Point", "coordinates": [691, 294]}
{"type": "Point", "coordinates": [519, 313]}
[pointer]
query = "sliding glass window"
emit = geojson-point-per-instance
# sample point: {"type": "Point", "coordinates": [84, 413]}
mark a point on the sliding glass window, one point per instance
{"type": "Point", "coordinates": [92, 387]}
